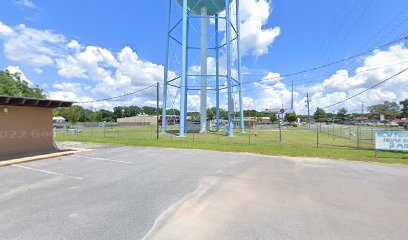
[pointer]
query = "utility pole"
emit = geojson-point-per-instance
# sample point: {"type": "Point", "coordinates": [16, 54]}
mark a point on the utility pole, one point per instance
{"type": "Point", "coordinates": [291, 103]}
{"type": "Point", "coordinates": [362, 108]}
{"type": "Point", "coordinates": [157, 111]}
{"type": "Point", "coordinates": [308, 109]}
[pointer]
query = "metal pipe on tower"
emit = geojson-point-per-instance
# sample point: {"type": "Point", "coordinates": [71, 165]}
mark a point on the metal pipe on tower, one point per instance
{"type": "Point", "coordinates": [204, 54]}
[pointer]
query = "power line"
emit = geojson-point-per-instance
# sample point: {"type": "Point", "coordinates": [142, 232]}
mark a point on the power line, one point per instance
{"type": "Point", "coordinates": [340, 27]}
{"type": "Point", "coordinates": [330, 64]}
{"type": "Point", "coordinates": [329, 30]}
{"type": "Point", "coordinates": [120, 96]}
{"type": "Point", "coordinates": [356, 22]}
{"type": "Point", "coordinates": [382, 29]}
{"type": "Point", "coordinates": [393, 29]}
{"type": "Point", "coordinates": [312, 81]}
{"type": "Point", "coordinates": [366, 90]}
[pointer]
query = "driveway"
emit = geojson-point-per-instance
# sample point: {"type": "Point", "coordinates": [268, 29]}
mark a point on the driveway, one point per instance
{"type": "Point", "coordinates": [152, 193]}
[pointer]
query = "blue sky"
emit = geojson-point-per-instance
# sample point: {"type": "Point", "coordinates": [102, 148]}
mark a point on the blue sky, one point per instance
{"type": "Point", "coordinates": [310, 33]}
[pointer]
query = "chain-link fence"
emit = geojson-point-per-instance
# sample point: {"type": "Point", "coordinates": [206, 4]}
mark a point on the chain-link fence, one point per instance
{"type": "Point", "coordinates": [105, 130]}
{"type": "Point", "coordinates": [315, 135]}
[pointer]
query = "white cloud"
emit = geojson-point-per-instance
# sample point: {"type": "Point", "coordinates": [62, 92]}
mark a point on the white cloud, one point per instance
{"type": "Point", "coordinates": [375, 68]}
{"type": "Point", "coordinates": [38, 70]}
{"type": "Point", "coordinates": [73, 44]}
{"type": "Point", "coordinates": [69, 86]}
{"type": "Point", "coordinates": [34, 47]}
{"type": "Point", "coordinates": [255, 39]}
{"type": "Point", "coordinates": [269, 79]}
{"type": "Point", "coordinates": [6, 31]}
{"type": "Point", "coordinates": [248, 102]}
{"type": "Point", "coordinates": [17, 70]}
{"type": "Point", "coordinates": [26, 3]}
{"type": "Point", "coordinates": [110, 73]}
{"type": "Point", "coordinates": [88, 64]}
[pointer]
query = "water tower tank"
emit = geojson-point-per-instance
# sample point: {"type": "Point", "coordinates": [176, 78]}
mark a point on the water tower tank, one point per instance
{"type": "Point", "coordinates": [213, 6]}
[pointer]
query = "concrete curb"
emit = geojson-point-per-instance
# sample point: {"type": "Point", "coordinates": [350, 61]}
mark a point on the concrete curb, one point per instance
{"type": "Point", "coordinates": [42, 157]}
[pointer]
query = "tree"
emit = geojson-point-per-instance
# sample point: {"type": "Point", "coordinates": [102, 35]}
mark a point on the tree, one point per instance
{"type": "Point", "coordinates": [211, 113]}
{"type": "Point", "coordinates": [291, 117]}
{"type": "Point", "coordinates": [72, 114]}
{"type": "Point", "coordinates": [132, 111]}
{"type": "Point", "coordinates": [273, 118]}
{"type": "Point", "coordinates": [250, 113]}
{"type": "Point", "coordinates": [342, 114]}
{"type": "Point", "coordinates": [104, 116]}
{"type": "Point", "coordinates": [149, 110]}
{"type": "Point", "coordinates": [76, 114]}
{"type": "Point", "coordinates": [404, 111]}
{"type": "Point", "coordinates": [13, 85]}
{"type": "Point", "coordinates": [194, 115]}
{"type": "Point", "coordinates": [319, 115]}
{"type": "Point", "coordinates": [173, 112]}
{"type": "Point", "coordinates": [389, 109]}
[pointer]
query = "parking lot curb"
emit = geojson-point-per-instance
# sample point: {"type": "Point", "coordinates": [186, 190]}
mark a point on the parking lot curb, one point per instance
{"type": "Point", "coordinates": [42, 157]}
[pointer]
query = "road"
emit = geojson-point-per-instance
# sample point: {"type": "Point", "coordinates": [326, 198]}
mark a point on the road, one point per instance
{"type": "Point", "coordinates": [150, 193]}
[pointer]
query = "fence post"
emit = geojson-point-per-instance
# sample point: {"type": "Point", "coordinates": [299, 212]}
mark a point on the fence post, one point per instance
{"type": "Point", "coordinates": [280, 132]}
{"type": "Point", "coordinates": [358, 137]}
{"type": "Point", "coordinates": [157, 110]}
{"type": "Point", "coordinates": [249, 131]}
{"type": "Point", "coordinates": [317, 136]}
{"type": "Point", "coordinates": [328, 131]}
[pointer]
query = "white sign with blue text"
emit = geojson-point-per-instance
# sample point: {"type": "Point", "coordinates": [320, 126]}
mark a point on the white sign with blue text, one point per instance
{"type": "Point", "coordinates": [391, 141]}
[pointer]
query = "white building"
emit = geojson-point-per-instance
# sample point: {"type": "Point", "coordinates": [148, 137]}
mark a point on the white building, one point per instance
{"type": "Point", "coordinates": [58, 119]}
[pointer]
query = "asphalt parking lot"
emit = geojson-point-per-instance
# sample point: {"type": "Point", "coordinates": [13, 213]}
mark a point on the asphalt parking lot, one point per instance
{"type": "Point", "coordinates": [149, 193]}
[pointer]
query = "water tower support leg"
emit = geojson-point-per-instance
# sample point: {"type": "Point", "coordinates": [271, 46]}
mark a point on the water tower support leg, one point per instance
{"type": "Point", "coordinates": [204, 54]}
{"type": "Point", "coordinates": [217, 75]}
{"type": "Point", "coordinates": [186, 96]}
{"type": "Point", "coordinates": [166, 72]}
{"type": "Point", "coordinates": [229, 65]}
{"type": "Point", "coordinates": [241, 109]}
{"type": "Point", "coordinates": [183, 89]}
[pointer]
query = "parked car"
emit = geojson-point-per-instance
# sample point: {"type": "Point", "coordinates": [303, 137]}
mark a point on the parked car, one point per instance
{"type": "Point", "coordinates": [392, 124]}
{"type": "Point", "coordinates": [74, 130]}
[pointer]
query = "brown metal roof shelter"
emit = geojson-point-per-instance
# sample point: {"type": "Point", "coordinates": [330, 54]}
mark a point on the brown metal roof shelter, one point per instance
{"type": "Point", "coordinates": [26, 126]}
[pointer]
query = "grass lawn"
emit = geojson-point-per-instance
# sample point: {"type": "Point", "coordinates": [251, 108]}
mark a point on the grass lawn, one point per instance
{"type": "Point", "coordinates": [295, 142]}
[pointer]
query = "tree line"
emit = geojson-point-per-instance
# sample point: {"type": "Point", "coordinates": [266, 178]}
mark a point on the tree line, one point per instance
{"type": "Point", "coordinates": [390, 110]}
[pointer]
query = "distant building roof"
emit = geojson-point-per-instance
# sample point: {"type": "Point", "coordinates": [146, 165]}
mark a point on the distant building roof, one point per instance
{"type": "Point", "coordinates": [59, 118]}
{"type": "Point", "coordinates": [33, 102]}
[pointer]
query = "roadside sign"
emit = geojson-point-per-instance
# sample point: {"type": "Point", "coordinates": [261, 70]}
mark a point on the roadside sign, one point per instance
{"type": "Point", "coordinates": [391, 141]}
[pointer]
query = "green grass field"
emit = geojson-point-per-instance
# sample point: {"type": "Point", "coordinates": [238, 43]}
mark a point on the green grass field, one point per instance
{"type": "Point", "coordinates": [299, 142]}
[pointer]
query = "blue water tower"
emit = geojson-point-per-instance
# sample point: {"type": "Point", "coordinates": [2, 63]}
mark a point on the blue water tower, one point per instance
{"type": "Point", "coordinates": [205, 11]}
